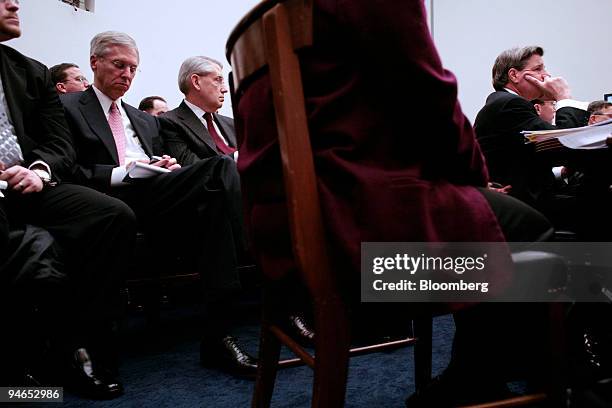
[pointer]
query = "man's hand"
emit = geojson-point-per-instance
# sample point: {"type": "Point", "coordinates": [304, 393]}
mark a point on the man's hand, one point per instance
{"type": "Point", "coordinates": [499, 188]}
{"type": "Point", "coordinates": [22, 180]}
{"type": "Point", "coordinates": [552, 88]}
{"type": "Point", "coordinates": [167, 162]}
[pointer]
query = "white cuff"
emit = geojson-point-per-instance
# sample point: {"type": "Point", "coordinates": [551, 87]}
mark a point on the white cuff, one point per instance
{"type": "Point", "coordinates": [42, 163]}
{"type": "Point", "coordinates": [117, 176]}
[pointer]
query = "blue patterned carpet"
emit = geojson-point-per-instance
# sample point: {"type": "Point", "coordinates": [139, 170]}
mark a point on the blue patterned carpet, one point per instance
{"type": "Point", "coordinates": [161, 369]}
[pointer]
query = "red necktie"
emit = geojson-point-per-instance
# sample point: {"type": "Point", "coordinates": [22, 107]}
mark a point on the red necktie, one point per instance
{"type": "Point", "coordinates": [116, 125]}
{"type": "Point", "coordinates": [222, 147]}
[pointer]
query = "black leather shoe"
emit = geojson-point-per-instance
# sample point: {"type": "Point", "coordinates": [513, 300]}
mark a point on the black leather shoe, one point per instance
{"type": "Point", "coordinates": [300, 330]}
{"type": "Point", "coordinates": [92, 382]}
{"type": "Point", "coordinates": [226, 355]}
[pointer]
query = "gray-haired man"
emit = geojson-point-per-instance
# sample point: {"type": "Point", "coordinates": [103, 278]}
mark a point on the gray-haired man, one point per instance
{"type": "Point", "coordinates": [204, 132]}
{"type": "Point", "coordinates": [193, 210]}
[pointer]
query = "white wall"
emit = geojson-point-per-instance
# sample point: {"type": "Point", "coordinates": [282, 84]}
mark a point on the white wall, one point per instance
{"type": "Point", "coordinates": [469, 35]}
{"type": "Point", "coordinates": [166, 32]}
{"type": "Point", "coordinates": [575, 35]}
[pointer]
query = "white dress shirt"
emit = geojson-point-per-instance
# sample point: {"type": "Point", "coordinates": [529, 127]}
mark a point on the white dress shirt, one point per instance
{"type": "Point", "coordinates": [133, 148]}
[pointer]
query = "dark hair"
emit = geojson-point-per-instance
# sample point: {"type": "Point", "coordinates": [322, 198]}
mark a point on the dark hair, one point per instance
{"type": "Point", "coordinates": [58, 72]}
{"type": "Point", "coordinates": [147, 103]}
{"type": "Point", "coordinates": [537, 101]}
{"type": "Point", "coordinates": [596, 106]}
{"type": "Point", "coordinates": [513, 58]}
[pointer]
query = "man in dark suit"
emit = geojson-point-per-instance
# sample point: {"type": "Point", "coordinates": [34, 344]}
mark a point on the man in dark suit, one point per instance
{"type": "Point", "coordinates": [205, 132]}
{"type": "Point", "coordinates": [192, 210]}
{"type": "Point", "coordinates": [519, 76]}
{"type": "Point", "coordinates": [93, 231]}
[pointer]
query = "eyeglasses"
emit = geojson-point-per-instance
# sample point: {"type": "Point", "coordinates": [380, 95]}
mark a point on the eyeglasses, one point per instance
{"type": "Point", "coordinates": [121, 66]}
{"type": "Point", "coordinates": [609, 115]}
{"type": "Point", "coordinates": [552, 103]}
{"type": "Point", "coordinates": [219, 81]}
{"type": "Point", "coordinates": [78, 78]}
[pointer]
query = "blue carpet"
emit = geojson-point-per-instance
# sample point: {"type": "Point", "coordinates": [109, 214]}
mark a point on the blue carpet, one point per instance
{"type": "Point", "coordinates": [162, 370]}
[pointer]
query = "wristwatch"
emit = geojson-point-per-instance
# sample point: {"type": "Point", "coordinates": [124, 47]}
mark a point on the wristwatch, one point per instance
{"type": "Point", "coordinates": [45, 177]}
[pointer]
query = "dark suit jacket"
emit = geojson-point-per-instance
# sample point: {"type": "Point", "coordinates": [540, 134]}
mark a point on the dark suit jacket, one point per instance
{"type": "Point", "coordinates": [36, 112]}
{"type": "Point", "coordinates": [93, 138]}
{"type": "Point", "coordinates": [509, 159]}
{"type": "Point", "coordinates": [399, 169]}
{"type": "Point", "coordinates": [192, 141]}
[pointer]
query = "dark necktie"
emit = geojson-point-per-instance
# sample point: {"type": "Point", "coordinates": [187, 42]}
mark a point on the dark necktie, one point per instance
{"type": "Point", "coordinates": [221, 146]}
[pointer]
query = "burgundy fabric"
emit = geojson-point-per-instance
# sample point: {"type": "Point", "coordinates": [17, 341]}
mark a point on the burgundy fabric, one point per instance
{"type": "Point", "coordinates": [395, 156]}
{"type": "Point", "coordinates": [222, 147]}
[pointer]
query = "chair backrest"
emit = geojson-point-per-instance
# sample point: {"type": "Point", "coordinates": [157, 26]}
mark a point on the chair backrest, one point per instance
{"type": "Point", "coordinates": [269, 37]}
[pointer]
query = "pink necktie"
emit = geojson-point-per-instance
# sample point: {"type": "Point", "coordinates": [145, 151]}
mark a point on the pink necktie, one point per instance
{"type": "Point", "coordinates": [220, 143]}
{"type": "Point", "coordinates": [116, 125]}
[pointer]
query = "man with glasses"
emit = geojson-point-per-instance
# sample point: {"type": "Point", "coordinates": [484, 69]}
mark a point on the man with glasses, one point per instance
{"type": "Point", "coordinates": [68, 77]}
{"type": "Point", "coordinates": [599, 111]}
{"type": "Point", "coordinates": [545, 109]}
{"type": "Point", "coordinates": [192, 211]}
{"type": "Point", "coordinates": [206, 133]}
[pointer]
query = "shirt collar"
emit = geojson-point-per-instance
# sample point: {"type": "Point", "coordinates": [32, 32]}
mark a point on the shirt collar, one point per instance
{"type": "Point", "coordinates": [511, 91]}
{"type": "Point", "coordinates": [199, 112]}
{"type": "Point", "coordinates": [105, 101]}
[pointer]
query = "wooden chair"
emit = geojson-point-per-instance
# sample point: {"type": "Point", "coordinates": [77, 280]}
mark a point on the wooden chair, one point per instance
{"type": "Point", "coordinates": [270, 35]}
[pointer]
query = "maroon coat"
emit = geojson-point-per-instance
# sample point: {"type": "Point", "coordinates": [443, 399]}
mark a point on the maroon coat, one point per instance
{"type": "Point", "coordinates": [395, 156]}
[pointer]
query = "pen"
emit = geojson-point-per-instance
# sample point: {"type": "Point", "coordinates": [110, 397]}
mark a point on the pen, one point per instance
{"type": "Point", "coordinates": [155, 159]}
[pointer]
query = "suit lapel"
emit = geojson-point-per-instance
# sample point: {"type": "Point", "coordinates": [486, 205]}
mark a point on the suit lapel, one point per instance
{"type": "Point", "coordinates": [96, 119]}
{"type": "Point", "coordinates": [14, 84]}
{"type": "Point", "coordinates": [140, 127]}
{"type": "Point", "coordinates": [194, 124]}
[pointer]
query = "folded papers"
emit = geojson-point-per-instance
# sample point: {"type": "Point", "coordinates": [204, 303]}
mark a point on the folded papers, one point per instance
{"type": "Point", "coordinates": [140, 170]}
{"type": "Point", "coordinates": [586, 137]}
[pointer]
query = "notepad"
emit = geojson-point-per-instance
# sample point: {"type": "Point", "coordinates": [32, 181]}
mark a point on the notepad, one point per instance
{"type": "Point", "coordinates": [140, 170]}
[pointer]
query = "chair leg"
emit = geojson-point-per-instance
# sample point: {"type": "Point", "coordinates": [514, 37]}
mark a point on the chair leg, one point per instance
{"type": "Point", "coordinates": [332, 344]}
{"type": "Point", "coordinates": [557, 387]}
{"type": "Point", "coordinates": [267, 366]}
{"type": "Point", "coordinates": [422, 351]}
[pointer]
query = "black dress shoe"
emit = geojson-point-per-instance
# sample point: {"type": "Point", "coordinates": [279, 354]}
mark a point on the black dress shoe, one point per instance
{"type": "Point", "coordinates": [226, 355]}
{"type": "Point", "coordinates": [83, 377]}
{"type": "Point", "coordinates": [299, 329]}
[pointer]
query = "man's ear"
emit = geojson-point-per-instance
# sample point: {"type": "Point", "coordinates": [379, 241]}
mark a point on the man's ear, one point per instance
{"type": "Point", "coordinates": [93, 62]}
{"type": "Point", "coordinates": [61, 88]}
{"type": "Point", "coordinates": [513, 75]}
{"type": "Point", "coordinates": [538, 108]}
{"type": "Point", "coordinates": [195, 81]}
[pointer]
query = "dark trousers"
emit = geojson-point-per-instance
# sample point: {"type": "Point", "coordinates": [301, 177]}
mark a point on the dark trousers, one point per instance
{"type": "Point", "coordinates": [92, 236]}
{"type": "Point", "coordinates": [95, 233]}
{"type": "Point", "coordinates": [494, 341]}
{"type": "Point", "coordinates": [196, 212]}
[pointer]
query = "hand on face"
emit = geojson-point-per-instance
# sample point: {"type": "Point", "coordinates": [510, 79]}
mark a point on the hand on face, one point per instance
{"type": "Point", "coordinates": [555, 88]}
